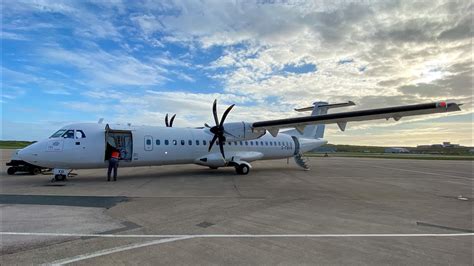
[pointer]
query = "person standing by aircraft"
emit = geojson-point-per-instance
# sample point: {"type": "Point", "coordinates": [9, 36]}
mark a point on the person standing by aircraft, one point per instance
{"type": "Point", "coordinates": [113, 163]}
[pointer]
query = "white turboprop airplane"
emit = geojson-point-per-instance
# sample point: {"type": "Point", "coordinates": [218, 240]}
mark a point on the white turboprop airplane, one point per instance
{"type": "Point", "coordinates": [88, 145]}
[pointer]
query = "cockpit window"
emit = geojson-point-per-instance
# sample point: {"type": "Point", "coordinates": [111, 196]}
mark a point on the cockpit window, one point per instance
{"type": "Point", "coordinates": [69, 134]}
{"type": "Point", "coordinates": [80, 134]}
{"type": "Point", "coordinates": [58, 133]}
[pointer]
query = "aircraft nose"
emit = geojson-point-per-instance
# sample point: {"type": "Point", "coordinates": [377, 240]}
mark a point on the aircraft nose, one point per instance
{"type": "Point", "coordinates": [27, 154]}
{"type": "Point", "coordinates": [30, 154]}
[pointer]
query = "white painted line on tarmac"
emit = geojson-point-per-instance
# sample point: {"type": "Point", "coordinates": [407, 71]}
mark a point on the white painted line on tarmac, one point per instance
{"type": "Point", "coordinates": [234, 235]}
{"type": "Point", "coordinates": [422, 172]}
{"type": "Point", "coordinates": [114, 250]}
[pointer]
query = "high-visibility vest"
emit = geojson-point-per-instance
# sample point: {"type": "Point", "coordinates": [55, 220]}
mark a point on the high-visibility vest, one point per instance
{"type": "Point", "coordinates": [115, 154]}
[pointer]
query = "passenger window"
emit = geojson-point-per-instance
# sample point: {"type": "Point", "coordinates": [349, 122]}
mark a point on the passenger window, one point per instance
{"type": "Point", "coordinates": [235, 143]}
{"type": "Point", "coordinates": [241, 143]}
{"type": "Point", "coordinates": [166, 142]}
{"type": "Point", "coordinates": [182, 142]}
{"type": "Point", "coordinates": [279, 144]}
{"type": "Point", "coordinates": [266, 143]}
{"type": "Point", "coordinates": [204, 142]}
{"type": "Point", "coordinates": [261, 143]}
{"type": "Point", "coordinates": [197, 142]}
{"type": "Point", "coordinates": [175, 142]}
{"type": "Point", "coordinates": [271, 143]}
{"type": "Point", "coordinates": [256, 143]}
{"type": "Point", "coordinates": [157, 142]}
{"type": "Point", "coordinates": [246, 143]}
{"type": "Point", "coordinates": [80, 134]}
{"type": "Point", "coordinates": [230, 143]}
{"type": "Point", "coordinates": [69, 134]}
{"type": "Point", "coordinates": [190, 142]}
{"type": "Point", "coordinates": [251, 143]}
{"type": "Point", "coordinates": [148, 142]}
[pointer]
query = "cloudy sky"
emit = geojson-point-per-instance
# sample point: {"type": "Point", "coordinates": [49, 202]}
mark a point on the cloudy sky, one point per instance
{"type": "Point", "coordinates": [135, 61]}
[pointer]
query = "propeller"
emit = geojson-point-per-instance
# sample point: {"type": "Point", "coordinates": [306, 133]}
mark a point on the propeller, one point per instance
{"type": "Point", "coordinates": [218, 129]}
{"type": "Point", "coordinates": [170, 123]}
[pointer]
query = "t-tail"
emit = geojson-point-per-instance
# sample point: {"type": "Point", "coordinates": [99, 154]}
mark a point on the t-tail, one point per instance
{"type": "Point", "coordinates": [318, 108]}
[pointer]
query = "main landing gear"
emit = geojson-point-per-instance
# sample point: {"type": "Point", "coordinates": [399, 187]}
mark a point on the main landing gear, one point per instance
{"type": "Point", "coordinates": [242, 169]}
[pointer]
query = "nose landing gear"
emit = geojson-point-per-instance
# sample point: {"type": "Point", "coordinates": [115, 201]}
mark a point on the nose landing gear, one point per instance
{"type": "Point", "coordinates": [60, 174]}
{"type": "Point", "coordinates": [58, 178]}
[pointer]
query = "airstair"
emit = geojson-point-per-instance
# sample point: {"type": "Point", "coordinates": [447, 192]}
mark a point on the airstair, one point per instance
{"type": "Point", "coordinates": [301, 161]}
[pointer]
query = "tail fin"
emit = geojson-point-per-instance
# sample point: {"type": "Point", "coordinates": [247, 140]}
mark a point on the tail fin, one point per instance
{"type": "Point", "coordinates": [319, 108]}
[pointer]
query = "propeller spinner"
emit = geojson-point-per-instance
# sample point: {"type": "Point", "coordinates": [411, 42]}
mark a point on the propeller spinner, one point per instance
{"type": "Point", "coordinates": [218, 130]}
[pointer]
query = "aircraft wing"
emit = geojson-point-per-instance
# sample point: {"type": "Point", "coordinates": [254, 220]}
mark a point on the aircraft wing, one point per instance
{"type": "Point", "coordinates": [342, 118]}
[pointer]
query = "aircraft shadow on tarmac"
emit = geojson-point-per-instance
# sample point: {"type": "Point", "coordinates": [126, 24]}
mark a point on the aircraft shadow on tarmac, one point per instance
{"type": "Point", "coordinates": [125, 174]}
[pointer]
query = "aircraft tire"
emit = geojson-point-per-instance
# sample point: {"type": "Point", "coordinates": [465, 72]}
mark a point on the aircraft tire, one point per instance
{"type": "Point", "coordinates": [35, 171]}
{"type": "Point", "coordinates": [242, 169]}
{"type": "Point", "coordinates": [59, 177]}
{"type": "Point", "coordinates": [11, 170]}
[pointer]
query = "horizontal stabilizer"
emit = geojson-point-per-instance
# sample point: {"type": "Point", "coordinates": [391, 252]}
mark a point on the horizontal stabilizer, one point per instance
{"type": "Point", "coordinates": [328, 106]}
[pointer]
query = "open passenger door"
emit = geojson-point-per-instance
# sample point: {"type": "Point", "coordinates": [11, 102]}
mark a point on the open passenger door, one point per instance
{"type": "Point", "coordinates": [119, 138]}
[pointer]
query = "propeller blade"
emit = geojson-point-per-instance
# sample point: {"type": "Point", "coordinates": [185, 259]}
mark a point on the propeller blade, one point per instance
{"type": "Point", "coordinates": [206, 125]}
{"type": "Point", "coordinates": [214, 112]}
{"type": "Point", "coordinates": [172, 119]}
{"type": "Point", "coordinates": [224, 116]}
{"type": "Point", "coordinates": [166, 120]}
{"type": "Point", "coordinates": [221, 146]}
{"type": "Point", "coordinates": [212, 142]}
{"type": "Point", "coordinates": [226, 132]}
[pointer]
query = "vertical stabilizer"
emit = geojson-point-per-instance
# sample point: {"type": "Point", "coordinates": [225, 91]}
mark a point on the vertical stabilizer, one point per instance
{"type": "Point", "coordinates": [319, 108]}
{"type": "Point", "coordinates": [316, 131]}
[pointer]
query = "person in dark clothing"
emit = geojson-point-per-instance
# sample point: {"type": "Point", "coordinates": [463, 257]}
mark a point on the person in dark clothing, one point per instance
{"type": "Point", "coordinates": [113, 163]}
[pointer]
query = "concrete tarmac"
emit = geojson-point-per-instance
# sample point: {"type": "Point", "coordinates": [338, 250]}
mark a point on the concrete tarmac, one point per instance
{"type": "Point", "coordinates": [420, 211]}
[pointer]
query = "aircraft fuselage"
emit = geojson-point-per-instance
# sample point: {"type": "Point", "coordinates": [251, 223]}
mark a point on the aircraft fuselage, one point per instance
{"type": "Point", "coordinates": [147, 145]}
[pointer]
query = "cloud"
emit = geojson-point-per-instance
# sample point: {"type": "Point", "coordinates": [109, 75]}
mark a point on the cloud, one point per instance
{"type": "Point", "coordinates": [85, 106]}
{"type": "Point", "coordinates": [253, 53]}
{"type": "Point", "coordinates": [108, 69]}
{"type": "Point", "coordinates": [13, 36]}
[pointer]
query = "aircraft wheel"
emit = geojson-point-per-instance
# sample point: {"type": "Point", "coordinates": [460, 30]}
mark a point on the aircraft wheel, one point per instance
{"type": "Point", "coordinates": [59, 177]}
{"type": "Point", "coordinates": [11, 170]}
{"type": "Point", "coordinates": [242, 169]}
{"type": "Point", "coordinates": [35, 171]}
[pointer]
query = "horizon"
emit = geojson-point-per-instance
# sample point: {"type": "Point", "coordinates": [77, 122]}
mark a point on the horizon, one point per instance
{"type": "Point", "coordinates": [132, 61]}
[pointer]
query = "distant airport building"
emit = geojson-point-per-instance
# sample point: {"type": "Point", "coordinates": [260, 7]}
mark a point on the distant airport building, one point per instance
{"type": "Point", "coordinates": [445, 144]}
{"type": "Point", "coordinates": [396, 150]}
{"type": "Point", "coordinates": [448, 144]}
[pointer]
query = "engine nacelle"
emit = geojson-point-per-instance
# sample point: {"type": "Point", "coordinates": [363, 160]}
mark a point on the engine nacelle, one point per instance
{"type": "Point", "coordinates": [241, 131]}
{"type": "Point", "coordinates": [211, 160]}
